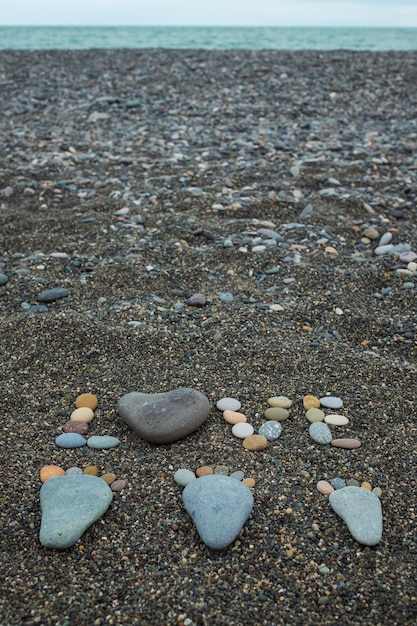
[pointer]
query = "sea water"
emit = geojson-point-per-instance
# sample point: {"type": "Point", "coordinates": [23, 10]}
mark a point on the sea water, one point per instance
{"type": "Point", "coordinates": [218, 38]}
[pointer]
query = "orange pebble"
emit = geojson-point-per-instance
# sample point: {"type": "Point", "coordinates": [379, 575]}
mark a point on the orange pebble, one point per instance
{"type": "Point", "coordinates": [366, 485]}
{"type": "Point", "coordinates": [88, 400]}
{"type": "Point", "coordinates": [205, 470]}
{"type": "Point", "coordinates": [233, 417]}
{"type": "Point", "coordinates": [49, 471]}
{"type": "Point", "coordinates": [83, 414]}
{"type": "Point", "coordinates": [249, 482]}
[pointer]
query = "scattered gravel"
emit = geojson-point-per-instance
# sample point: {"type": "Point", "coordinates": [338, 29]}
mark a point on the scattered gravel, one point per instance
{"type": "Point", "coordinates": [212, 220]}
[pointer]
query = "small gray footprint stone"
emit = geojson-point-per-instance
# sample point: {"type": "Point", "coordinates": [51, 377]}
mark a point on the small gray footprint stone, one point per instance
{"type": "Point", "coordinates": [164, 417]}
{"type": "Point", "coordinates": [361, 511]}
{"type": "Point", "coordinates": [219, 506]}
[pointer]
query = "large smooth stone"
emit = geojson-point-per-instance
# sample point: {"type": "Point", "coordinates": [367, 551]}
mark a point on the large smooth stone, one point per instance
{"type": "Point", "coordinates": [70, 504]}
{"type": "Point", "coordinates": [219, 506]}
{"type": "Point", "coordinates": [164, 417]}
{"type": "Point", "coordinates": [361, 511]}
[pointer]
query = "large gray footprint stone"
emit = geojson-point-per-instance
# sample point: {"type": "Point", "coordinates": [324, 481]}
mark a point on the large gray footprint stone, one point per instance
{"type": "Point", "coordinates": [164, 417]}
{"type": "Point", "coordinates": [219, 506]}
{"type": "Point", "coordinates": [70, 504]}
{"type": "Point", "coordinates": [361, 511]}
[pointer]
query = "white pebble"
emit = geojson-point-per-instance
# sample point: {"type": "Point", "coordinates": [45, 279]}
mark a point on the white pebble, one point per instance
{"type": "Point", "coordinates": [336, 420]}
{"type": "Point", "coordinates": [228, 404]}
{"type": "Point", "coordinates": [242, 430]}
{"type": "Point", "coordinates": [331, 402]}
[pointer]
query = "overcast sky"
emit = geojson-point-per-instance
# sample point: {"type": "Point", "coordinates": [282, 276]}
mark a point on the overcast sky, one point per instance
{"type": "Point", "coordinates": [210, 12]}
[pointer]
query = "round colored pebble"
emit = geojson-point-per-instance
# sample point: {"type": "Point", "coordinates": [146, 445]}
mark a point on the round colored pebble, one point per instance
{"type": "Point", "coordinates": [73, 471]}
{"type": "Point", "coordinates": [88, 400]}
{"type": "Point", "coordinates": [377, 491]}
{"type": "Point", "coordinates": [102, 442]}
{"type": "Point", "coordinates": [314, 415]}
{"type": "Point", "coordinates": [255, 443]}
{"type": "Point", "coordinates": [336, 420]}
{"type": "Point", "coordinates": [352, 482]}
{"type": "Point", "coordinates": [331, 402]}
{"type": "Point", "coordinates": [320, 433]}
{"type": "Point", "coordinates": [228, 404]}
{"type": "Point", "coordinates": [237, 475]}
{"type": "Point", "coordinates": [233, 417]}
{"type": "Point", "coordinates": [280, 401]}
{"type": "Point", "coordinates": [83, 414]}
{"type": "Point", "coordinates": [204, 470]}
{"type": "Point", "coordinates": [108, 478]}
{"type": "Point", "coordinates": [118, 485]}
{"type": "Point", "coordinates": [324, 487]}
{"type": "Point", "coordinates": [49, 471]}
{"type": "Point", "coordinates": [91, 470]}
{"type": "Point", "coordinates": [70, 440]}
{"type": "Point", "coordinates": [271, 430]}
{"type": "Point", "coordinates": [242, 430]}
{"type": "Point", "coordinates": [184, 476]}
{"type": "Point", "coordinates": [348, 444]}
{"type": "Point", "coordinates": [366, 485]}
{"type": "Point", "coordinates": [249, 482]}
{"type": "Point", "coordinates": [338, 483]}
{"type": "Point", "coordinates": [276, 413]}
{"type": "Point", "coordinates": [311, 402]}
{"type": "Point", "coordinates": [76, 427]}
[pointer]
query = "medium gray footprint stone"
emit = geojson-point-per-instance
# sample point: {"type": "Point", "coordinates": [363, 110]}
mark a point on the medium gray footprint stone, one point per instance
{"type": "Point", "coordinates": [164, 417]}
{"type": "Point", "coordinates": [361, 511]}
{"type": "Point", "coordinates": [219, 506]}
{"type": "Point", "coordinates": [70, 504]}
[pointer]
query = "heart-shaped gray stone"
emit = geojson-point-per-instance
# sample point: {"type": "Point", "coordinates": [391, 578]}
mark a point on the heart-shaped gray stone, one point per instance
{"type": "Point", "coordinates": [164, 417]}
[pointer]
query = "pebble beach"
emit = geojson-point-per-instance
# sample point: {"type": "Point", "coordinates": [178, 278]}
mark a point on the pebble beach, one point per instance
{"type": "Point", "coordinates": [242, 223]}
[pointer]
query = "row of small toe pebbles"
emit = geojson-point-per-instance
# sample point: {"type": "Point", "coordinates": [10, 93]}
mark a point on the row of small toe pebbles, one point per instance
{"type": "Point", "coordinates": [72, 437]}
{"type": "Point", "coordinates": [49, 471]}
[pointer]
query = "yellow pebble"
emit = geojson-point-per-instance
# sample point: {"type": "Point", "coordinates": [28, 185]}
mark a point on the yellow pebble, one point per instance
{"type": "Point", "coordinates": [83, 414]}
{"type": "Point", "coordinates": [49, 471]}
{"type": "Point", "coordinates": [366, 485]}
{"type": "Point", "coordinates": [88, 400]}
{"type": "Point", "coordinates": [281, 401]}
{"type": "Point", "coordinates": [108, 478]}
{"type": "Point", "coordinates": [311, 402]}
{"type": "Point", "coordinates": [91, 470]}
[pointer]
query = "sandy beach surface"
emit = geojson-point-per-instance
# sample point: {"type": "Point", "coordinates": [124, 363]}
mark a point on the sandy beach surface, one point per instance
{"type": "Point", "coordinates": [136, 179]}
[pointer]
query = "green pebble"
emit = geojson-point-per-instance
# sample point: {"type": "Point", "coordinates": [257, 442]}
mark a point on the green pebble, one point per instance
{"type": "Point", "coordinates": [314, 415]}
{"type": "Point", "coordinates": [276, 413]}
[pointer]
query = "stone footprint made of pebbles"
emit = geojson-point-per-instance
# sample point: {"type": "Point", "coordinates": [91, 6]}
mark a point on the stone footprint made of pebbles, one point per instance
{"type": "Point", "coordinates": [72, 500]}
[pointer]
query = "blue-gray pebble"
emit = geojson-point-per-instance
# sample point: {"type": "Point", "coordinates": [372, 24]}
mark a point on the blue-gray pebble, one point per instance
{"type": "Point", "coordinates": [338, 483]}
{"type": "Point", "coordinates": [219, 506]}
{"type": "Point", "coordinates": [70, 504]}
{"type": "Point", "coordinates": [3, 279]}
{"type": "Point", "coordinates": [56, 293]}
{"type": "Point", "coordinates": [102, 442]}
{"type": "Point", "coordinates": [271, 430]}
{"type": "Point", "coordinates": [70, 440]}
{"type": "Point", "coordinates": [320, 433]}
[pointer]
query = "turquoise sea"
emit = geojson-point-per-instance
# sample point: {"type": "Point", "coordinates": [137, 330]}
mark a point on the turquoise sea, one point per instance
{"type": "Point", "coordinates": [219, 38]}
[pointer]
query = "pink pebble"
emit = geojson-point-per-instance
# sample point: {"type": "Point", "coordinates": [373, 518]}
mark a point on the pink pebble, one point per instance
{"type": "Point", "coordinates": [324, 487]}
{"type": "Point", "coordinates": [76, 427]}
{"type": "Point", "coordinates": [233, 417]}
